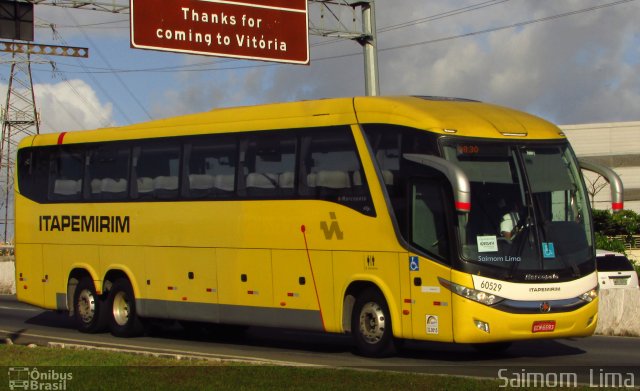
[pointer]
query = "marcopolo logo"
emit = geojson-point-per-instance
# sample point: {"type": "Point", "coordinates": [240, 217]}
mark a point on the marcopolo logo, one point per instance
{"type": "Point", "coordinates": [24, 378]}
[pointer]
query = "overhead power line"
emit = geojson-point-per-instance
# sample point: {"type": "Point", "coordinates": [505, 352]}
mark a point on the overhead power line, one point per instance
{"type": "Point", "coordinates": [442, 15]}
{"type": "Point", "coordinates": [106, 61]}
{"type": "Point", "coordinates": [510, 26]}
{"type": "Point", "coordinates": [430, 18]}
{"type": "Point", "coordinates": [391, 48]}
{"type": "Point", "coordinates": [96, 83]}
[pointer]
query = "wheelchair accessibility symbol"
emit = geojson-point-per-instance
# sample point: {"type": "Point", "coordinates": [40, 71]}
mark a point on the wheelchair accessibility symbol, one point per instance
{"type": "Point", "coordinates": [414, 264]}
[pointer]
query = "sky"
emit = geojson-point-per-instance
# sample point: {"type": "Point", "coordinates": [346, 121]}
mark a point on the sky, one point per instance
{"type": "Point", "coordinates": [568, 61]}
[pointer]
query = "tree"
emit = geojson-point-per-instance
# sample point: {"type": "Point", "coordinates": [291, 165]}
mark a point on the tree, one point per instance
{"type": "Point", "coordinates": [594, 187]}
{"type": "Point", "coordinates": [606, 224]}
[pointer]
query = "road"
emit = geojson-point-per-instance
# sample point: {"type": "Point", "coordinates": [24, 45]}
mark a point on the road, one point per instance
{"type": "Point", "coordinates": [591, 359]}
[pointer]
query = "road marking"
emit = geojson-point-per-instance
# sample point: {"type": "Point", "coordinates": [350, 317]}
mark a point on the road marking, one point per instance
{"type": "Point", "coordinates": [21, 309]}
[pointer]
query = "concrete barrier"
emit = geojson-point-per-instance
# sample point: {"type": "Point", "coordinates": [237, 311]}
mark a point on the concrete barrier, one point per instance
{"type": "Point", "coordinates": [619, 312]}
{"type": "Point", "coordinates": [7, 277]}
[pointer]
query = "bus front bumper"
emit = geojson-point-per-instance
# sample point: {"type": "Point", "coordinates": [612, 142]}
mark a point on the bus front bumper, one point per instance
{"type": "Point", "coordinates": [477, 323]}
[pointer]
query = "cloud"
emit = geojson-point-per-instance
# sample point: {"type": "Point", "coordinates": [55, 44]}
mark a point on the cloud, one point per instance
{"type": "Point", "coordinates": [572, 69]}
{"type": "Point", "coordinates": [71, 105]}
{"type": "Point", "coordinates": [578, 68]}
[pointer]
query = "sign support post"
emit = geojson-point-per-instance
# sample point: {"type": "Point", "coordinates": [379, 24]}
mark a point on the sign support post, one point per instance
{"type": "Point", "coordinates": [369, 44]}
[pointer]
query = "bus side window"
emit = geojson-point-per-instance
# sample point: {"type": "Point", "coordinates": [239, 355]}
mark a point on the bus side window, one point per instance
{"type": "Point", "coordinates": [157, 170]}
{"type": "Point", "coordinates": [66, 175]}
{"type": "Point", "coordinates": [108, 172]}
{"type": "Point", "coordinates": [33, 173]}
{"type": "Point", "coordinates": [211, 167]}
{"type": "Point", "coordinates": [268, 162]}
{"type": "Point", "coordinates": [331, 169]}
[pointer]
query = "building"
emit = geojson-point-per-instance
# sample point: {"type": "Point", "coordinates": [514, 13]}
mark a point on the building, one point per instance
{"type": "Point", "coordinates": [616, 145]}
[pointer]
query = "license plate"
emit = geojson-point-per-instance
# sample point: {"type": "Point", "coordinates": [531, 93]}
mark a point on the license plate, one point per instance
{"type": "Point", "coordinates": [543, 326]}
{"type": "Point", "coordinates": [620, 281]}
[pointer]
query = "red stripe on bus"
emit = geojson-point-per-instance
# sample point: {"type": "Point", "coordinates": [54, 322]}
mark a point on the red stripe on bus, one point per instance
{"type": "Point", "coordinates": [313, 277]}
{"type": "Point", "coordinates": [61, 137]}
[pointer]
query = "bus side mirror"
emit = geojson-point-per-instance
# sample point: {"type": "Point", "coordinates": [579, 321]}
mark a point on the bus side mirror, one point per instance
{"type": "Point", "coordinates": [617, 190]}
{"type": "Point", "coordinates": [456, 177]}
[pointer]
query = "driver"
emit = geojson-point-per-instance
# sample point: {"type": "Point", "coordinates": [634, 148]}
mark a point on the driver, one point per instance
{"type": "Point", "coordinates": [508, 225]}
{"type": "Point", "coordinates": [509, 221]}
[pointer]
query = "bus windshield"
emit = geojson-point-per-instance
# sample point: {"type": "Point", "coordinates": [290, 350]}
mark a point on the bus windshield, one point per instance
{"type": "Point", "coordinates": [529, 213]}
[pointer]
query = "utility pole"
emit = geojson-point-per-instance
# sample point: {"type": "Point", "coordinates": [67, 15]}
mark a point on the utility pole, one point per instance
{"type": "Point", "coordinates": [370, 46]}
{"type": "Point", "coordinates": [336, 26]}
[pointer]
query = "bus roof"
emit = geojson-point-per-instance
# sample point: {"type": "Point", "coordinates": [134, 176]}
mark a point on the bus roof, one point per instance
{"type": "Point", "coordinates": [440, 115]}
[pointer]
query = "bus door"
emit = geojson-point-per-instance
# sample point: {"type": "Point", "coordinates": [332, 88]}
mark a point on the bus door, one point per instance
{"type": "Point", "coordinates": [429, 232]}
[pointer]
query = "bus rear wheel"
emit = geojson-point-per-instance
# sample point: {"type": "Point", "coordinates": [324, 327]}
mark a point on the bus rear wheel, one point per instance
{"type": "Point", "coordinates": [371, 325]}
{"type": "Point", "coordinates": [88, 307]}
{"type": "Point", "coordinates": [124, 322]}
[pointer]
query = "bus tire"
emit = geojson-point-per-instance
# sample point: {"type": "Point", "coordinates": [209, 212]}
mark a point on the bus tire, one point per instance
{"type": "Point", "coordinates": [371, 325]}
{"type": "Point", "coordinates": [90, 310]}
{"type": "Point", "coordinates": [124, 322]}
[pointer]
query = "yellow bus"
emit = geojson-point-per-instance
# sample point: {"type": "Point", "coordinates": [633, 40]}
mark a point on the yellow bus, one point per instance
{"type": "Point", "coordinates": [387, 218]}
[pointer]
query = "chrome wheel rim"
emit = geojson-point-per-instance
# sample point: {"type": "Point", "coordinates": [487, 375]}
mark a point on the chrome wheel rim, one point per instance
{"type": "Point", "coordinates": [372, 323]}
{"type": "Point", "coordinates": [86, 306]}
{"type": "Point", "coordinates": [121, 308]}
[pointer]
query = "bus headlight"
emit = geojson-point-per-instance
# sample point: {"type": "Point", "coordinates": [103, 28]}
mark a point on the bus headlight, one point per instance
{"type": "Point", "coordinates": [590, 295]}
{"type": "Point", "coordinates": [472, 294]}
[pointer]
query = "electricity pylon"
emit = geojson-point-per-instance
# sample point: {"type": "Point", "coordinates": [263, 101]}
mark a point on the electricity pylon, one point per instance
{"type": "Point", "coordinates": [19, 119]}
{"type": "Point", "coordinates": [20, 116]}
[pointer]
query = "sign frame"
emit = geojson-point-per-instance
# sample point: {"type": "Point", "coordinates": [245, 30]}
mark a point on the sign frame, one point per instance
{"type": "Point", "coordinates": [16, 20]}
{"type": "Point", "coordinates": [264, 30]}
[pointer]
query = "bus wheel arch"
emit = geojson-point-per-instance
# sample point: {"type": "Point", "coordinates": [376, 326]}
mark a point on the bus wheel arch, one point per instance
{"type": "Point", "coordinates": [111, 277]}
{"type": "Point", "coordinates": [366, 315]}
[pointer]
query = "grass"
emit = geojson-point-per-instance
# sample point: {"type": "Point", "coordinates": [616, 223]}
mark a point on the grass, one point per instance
{"type": "Point", "coordinates": [100, 370]}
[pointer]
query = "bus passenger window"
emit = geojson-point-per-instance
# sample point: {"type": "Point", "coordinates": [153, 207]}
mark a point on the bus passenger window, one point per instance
{"type": "Point", "coordinates": [331, 170]}
{"type": "Point", "coordinates": [33, 172]}
{"type": "Point", "coordinates": [157, 171]}
{"type": "Point", "coordinates": [67, 171]}
{"type": "Point", "coordinates": [268, 163]}
{"type": "Point", "coordinates": [211, 167]}
{"type": "Point", "coordinates": [108, 172]}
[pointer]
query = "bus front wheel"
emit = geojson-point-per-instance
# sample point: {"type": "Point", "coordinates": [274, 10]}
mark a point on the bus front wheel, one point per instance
{"type": "Point", "coordinates": [371, 325]}
{"type": "Point", "coordinates": [89, 308]}
{"type": "Point", "coordinates": [124, 321]}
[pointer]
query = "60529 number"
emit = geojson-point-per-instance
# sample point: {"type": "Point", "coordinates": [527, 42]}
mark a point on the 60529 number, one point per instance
{"type": "Point", "coordinates": [490, 285]}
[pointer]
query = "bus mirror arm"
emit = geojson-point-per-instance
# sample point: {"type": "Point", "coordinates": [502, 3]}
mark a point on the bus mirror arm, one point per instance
{"type": "Point", "coordinates": [617, 191]}
{"type": "Point", "coordinates": [457, 178]}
